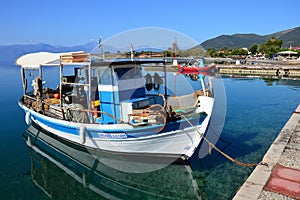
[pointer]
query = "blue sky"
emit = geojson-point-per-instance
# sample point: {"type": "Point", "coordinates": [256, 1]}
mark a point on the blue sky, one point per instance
{"type": "Point", "coordinates": [64, 22]}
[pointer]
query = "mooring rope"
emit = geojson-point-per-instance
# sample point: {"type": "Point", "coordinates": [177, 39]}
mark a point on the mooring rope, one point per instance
{"type": "Point", "coordinates": [212, 146]}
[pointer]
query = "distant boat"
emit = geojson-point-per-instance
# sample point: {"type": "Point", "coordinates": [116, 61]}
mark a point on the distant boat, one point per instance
{"type": "Point", "coordinates": [197, 66]}
{"type": "Point", "coordinates": [103, 106]}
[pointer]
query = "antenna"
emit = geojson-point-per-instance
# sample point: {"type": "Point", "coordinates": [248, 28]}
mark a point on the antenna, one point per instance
{"type": "Point", "coordinates": [175, 49]}
{"type": "Point", "coordinates": [100, 45]}
{"type": "Point", "coordinates": [131, 51]}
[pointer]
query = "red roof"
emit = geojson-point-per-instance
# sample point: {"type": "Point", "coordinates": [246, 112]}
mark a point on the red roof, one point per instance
{"type": "Point", "coordinates": [296, 48]}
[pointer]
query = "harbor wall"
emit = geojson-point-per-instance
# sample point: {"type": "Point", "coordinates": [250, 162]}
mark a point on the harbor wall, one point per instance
{"type": "Point", "coordinates": [283, 151]}
{"type": "Point", "coordinates": [255, 70]}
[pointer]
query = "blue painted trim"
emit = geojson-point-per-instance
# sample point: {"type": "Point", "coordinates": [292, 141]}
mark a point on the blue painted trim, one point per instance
{"type": "Point", "coordinates": [129, 133]}
{"type": "Point", "coordinates": [60, 127]}
{"type": "Point", "coordinates": [132, 94]}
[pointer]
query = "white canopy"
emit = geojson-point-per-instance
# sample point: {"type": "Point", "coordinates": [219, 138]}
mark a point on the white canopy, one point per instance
{"type": "Point", "coordinates": [35, 60]}
{"type": "Point", "coordinates": [287, 53]}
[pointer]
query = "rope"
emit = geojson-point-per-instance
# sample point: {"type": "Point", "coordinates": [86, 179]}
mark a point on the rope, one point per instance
{"type": "Point", "coordinates": [211, 145]}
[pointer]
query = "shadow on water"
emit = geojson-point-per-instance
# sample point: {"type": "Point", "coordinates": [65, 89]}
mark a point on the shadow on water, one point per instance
{"type": "Point", "coordinates": [64, 172]}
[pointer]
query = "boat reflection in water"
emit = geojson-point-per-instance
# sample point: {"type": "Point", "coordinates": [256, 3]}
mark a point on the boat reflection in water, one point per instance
{"type": "Point", "coordinates": [64, 171]}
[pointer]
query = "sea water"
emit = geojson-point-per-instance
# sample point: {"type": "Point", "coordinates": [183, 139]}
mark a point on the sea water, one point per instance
{"type": "Point", "coordinates": [256, 111]}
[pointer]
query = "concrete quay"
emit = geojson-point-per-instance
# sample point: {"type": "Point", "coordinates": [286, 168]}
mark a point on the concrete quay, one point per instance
{"type": "Point", "coordinates": [261, 70]}
{"type": "Point", "coordinates": [279, 178]}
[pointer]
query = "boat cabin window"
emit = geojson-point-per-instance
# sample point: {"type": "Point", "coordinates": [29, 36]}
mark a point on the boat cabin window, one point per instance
{"type": "Point", "coordinates": [128, 73]}
{"type": "Point", "coordinates": [105, 76]}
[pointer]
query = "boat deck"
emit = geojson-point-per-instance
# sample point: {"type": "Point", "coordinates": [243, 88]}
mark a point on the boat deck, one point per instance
{"type": "Point", "coordinates": [177, 106]}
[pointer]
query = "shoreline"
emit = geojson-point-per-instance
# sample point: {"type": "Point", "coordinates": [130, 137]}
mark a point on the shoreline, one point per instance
{"type": "Point", "coordinates": [263, 70]}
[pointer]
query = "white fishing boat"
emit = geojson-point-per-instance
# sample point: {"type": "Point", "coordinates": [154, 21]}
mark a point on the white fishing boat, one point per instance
{"type": "Point", "coordinates": [104, 105]}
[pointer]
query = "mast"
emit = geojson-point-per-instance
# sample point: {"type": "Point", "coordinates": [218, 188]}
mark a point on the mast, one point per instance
{"type": "Point", "coordinates": [60, 83]}
{"type": "Point", "coordinates": [131, 51]}
{"type": "Point", "coordinates": [175, 49]}
{"type": "Point", "coordinates": [100, 45]}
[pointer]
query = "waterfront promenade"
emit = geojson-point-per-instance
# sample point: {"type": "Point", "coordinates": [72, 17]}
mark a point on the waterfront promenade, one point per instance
{"type": "Point", "coordinates": [278, 177]}
{"type": "Point", "coordinates": [291, 71]}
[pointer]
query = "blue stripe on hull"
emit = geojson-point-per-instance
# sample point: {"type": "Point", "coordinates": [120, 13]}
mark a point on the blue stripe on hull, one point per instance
{"type": "Point", "coordinates": [129, 133]}
{"type": "Point", "coordinates": [60, 127]}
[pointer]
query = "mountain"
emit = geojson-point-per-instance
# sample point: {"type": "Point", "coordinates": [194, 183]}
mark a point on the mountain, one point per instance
{"type": "Point", "coordinates": [289, 37]}
{"type": "Point", "coordinates": [12, 52]}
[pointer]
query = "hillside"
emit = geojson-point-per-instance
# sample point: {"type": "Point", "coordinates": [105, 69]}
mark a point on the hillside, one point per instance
{"type": "Point", "coordinates": [12, 52]}
{"type": "Point", "coordinates": [289, 37]}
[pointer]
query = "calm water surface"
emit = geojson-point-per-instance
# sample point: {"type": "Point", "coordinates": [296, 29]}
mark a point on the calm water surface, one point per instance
{"type": "Point", "coordinates": [256, 110]}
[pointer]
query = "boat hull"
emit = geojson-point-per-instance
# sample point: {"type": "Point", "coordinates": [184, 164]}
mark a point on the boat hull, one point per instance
{"type": "Point", "coordinates": [205, 69]}
{"type": "Point", "coordinates": [117, 138]}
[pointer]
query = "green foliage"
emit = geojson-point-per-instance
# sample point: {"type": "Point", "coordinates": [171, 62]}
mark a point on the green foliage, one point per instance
{"type": "Point", "coordinates": [212, 53]}
{"type": "Point", "coordinates": [167, 53]}
{"type": "Point", "coordinates": [289, 37]}
{"type": "Point", "coordinates": [239, 52]}
{"type": "Point", "coordinates": [235, 51]}
{"type": "Point", "coordinates": [223, 52]}
{"type": "Point", "coordinates": [254, 49]}
{"type": "Point", "coordinates": [243, 52]}
{"type": "Point", "coordinates": [192, 52]}
{"type": "Point", "coordinates": [270, 47]}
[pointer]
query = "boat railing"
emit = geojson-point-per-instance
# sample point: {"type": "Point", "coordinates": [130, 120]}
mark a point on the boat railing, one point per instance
{"type": "Point", "coordinates": [102, 113]}
{"type": "Point", "coordinates": [81, 115]}
{"type": "Point", "coordinates": [79, 84]}
{"type": "Point", "coordinates": [52, 108]}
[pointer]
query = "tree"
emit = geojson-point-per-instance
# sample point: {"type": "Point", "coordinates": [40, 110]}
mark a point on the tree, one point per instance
{"type": "Point", "coordinates": [197, 52]}
{"type": "Point", "coordinates": [212, 53]}
{"type": "Point", "coordinates": [235, 51]}
{"type": "Point", "coordinates": [270, 47]}
{"type": "Point", "coordinates": [167, 53]}
{"type": "Point", "coordinates": [254, 49]}
{"type": "Point", "coordinates": [223, 52]}
{"type": "Point", "coordinates": [243, 52]}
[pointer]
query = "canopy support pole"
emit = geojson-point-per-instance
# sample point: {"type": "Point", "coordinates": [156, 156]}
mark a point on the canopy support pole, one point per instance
{"type": "Point", "coordinates": [24, 81]}
{"type": "Point", "coordinates": [203, 86]}
{"type": "Point", "coordinates": [60, 83]}
{"type": "Point", "coordinates": [91, 103]}
{"type": "Point", "coordinates": [41, 73]}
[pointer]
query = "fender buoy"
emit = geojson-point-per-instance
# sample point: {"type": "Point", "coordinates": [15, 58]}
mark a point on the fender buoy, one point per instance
{"type": "Point", "coordinates": [96, 105]}
{"type": "Point", "coordinates": [157, 82]}
{"type": "Point", "coordinates": [149, 84]}
{"type": "Point", "coordinates": [281, 73]}
{"type": "Point", "coordinates": [82, 134]}
{"type": "Point", "coordinates": [56, 95]}
{"type": "Point", "coordinates": [28, 118]}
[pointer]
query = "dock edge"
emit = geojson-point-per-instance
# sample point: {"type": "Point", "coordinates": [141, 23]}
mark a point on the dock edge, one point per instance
{"type": "Point", "coordinates": [254, 185]}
